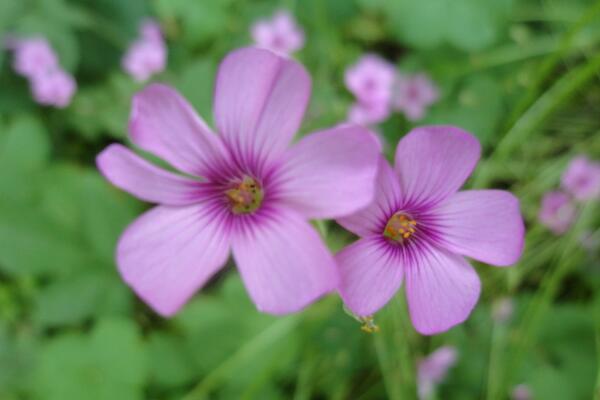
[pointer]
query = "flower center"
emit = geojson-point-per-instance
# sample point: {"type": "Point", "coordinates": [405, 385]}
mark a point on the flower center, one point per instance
{"type": "Point", "coordinates": [246, 196]}
{"type": "Point", "coordinates": [400, 227]}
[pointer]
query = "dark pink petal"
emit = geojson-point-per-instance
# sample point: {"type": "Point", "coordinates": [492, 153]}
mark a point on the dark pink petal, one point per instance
{"type": "Point", "coordinates": [482, 224]}
{"type": "Point", "coordinates": [330, 173]}
{"type": "Point", "coordinates": [164, 124]}
{"type": "Point", "coordinates": [370, 274]}
{"type": "Point", "coordinates": [168, 253]}
{"type": "Point", "coordinates": [128, 171]}
{"type": "Point", "coordinates": [442, 289]}
{"type": "Point", "coordinates": [434, 161]}
{"type": "Point", "coordinates": [388, 196]}
{"type": "Point", "coordinates": [260, 99]}
{"type": "Point", "coordinates": [284, 263]}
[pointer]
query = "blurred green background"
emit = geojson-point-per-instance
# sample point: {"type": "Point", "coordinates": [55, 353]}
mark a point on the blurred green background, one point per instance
{"type": "Point", "coordinates": [523, 75]}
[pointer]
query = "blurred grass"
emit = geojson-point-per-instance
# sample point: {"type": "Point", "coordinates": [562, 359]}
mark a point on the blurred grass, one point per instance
{"type": "Point", "coordinates": [522, 75]}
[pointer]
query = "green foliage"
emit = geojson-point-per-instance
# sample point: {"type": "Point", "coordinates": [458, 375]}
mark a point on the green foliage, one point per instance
{"type": "Point", "coordinates": [521, 75]}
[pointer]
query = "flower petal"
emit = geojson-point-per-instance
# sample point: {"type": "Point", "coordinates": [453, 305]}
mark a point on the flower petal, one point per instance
{"type": "Point", "coordinates": [128, 171]}
{"type": "Point", "coordinates": [434, 161]}
{"type": "Point", "coordinates": [442, 289]}
{"type": "Point", "coordinates": [168, 253]}
{"type": "Point", "coordinates": [370, 274]}
{"type": "Point", "coordinates": [284, 263]}
{"type": "Point", "coordinates": [388, 197]}
{"type": "Point", "coordinates": [164, 124]}
{"type": "Point", "coordinates": [482, 224]}
{"type": "Point", "coordinates": [330, 173]}
{"type": "Point", "coordinates": [260, 99]}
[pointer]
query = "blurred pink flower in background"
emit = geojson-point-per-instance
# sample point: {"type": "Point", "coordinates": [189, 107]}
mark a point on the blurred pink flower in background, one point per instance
{"type": "Point", "coordinates": [148, 54]}
{"type": "Point", "coordinates": [368, 114]}
{"type": "Point", "coordinates": [371, 80]}
{"type": "Point", "coordinates": [256, 194]}
{"type": "Point", "coordinates": [413, 94]}
{"type": "Point", "coordinates": [521, 392]}
{"type": "Point", "coordinates": [433, 369]}
{"type": "Point", "coordinates": [281, 33]}
{"type": "Point", "coordinates": [55, 87]}
{"type": "Point", "coordinates": [36, 60]}
{"type": "Point", "coordinates": [557, 212]}
{"type": "Point", "coordinates": [420, 228]}
{"type": "Point", "coordinates": [503, 309]}
{"type": "Point", "coordinates": [33, 57]}
{"type": "Point", "coordinates": [582, 178]}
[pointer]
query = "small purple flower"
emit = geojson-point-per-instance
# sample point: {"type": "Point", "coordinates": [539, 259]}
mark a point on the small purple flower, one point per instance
{"type": "Point", "coordinates": [368, 114]}
{"type": "Point", "coordinates": [55, 88]}
{"type": "Point", "coordinates": [371, 80]}
{"type": "Point", "coordinates": [244, 191]}
{"type": "Point", "coordinates": [521, 392]}
{"type": "Point", "coordinates": [582, 179]}
{"type": "Point", "coordinates": [148, 54]}
{"type": "Point", "coordinates": [413, 94]}
{"type": "Point", "coordinates": [434, 368]}
{"type": "Point", "coordinates": [419, 229]}
{"type": "Point", "coordinates": [33, 57]}
{"type": "Point", "coordinates": [280, 34]}
{"type": "Point", "coordinates": [557, 212]}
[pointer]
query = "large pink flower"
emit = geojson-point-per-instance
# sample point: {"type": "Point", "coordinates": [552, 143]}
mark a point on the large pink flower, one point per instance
{"type": "Point", "coordinates": [419, 229]}
{"type": "Point", "coordinates": [244, 189]}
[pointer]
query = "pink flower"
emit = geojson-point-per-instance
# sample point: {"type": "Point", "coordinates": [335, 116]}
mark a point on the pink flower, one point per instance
{"type": "Point", "coordinates": [557, 212]}
{"type": "Point", "coordinates": [582, 179]}
{"type": "Point", "coordinates": [55, 88]}
{"type": "Point", "coordinates": [147, 55]}
{"type": "Point", "coordinates": [368, 114]}
{"type": "Point", "coordinates": [419, 229]}
{"type": "Point", "coordinates": [521, 392]}
{"type": "Point", "coordinates": [371, 80]}
{"type": "Point", "coordinates": [413, 94]}
{"type": "Point", "coordinates": [33, 57]}
{"type": "Point", "coordinates": [243, 190]}
{"type": "Point", "coordinates": [280, 34]}
{"type": "Point", "coordinates": [433, 369]}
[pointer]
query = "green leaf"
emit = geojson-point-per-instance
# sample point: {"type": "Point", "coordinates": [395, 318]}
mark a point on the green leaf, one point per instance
{"type": "Point", "coordinates": [110, 364]}
{"type": "Point", "coordinates": [196, 85]}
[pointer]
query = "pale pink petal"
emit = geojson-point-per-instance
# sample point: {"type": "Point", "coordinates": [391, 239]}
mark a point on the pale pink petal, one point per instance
{"type": "Point", "coordinates": [442, 290]}
{"type": "Point", "coordinates": [370, 274]}
{"type": "Point", "coordinates": [168, 253]}
{"type": "Point", "coordinates": [388, 198]}
{"type": "Point", "coordinates": [164, 124]}
{"type": "Point", "coordinates": [128, 171]}
{"type": "Point", "coordinates": [330, 173]}
{"type": "Point", "coordinates": [434, 161]}
{"type": "Point", "coordinates": [284, 263]}
{"type": "Point", "coordinates": [482, 224]}
{"type": "Point", "coordinates": [260, 99]}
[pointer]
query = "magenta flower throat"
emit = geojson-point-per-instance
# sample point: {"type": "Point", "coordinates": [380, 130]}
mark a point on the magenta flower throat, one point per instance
{"type": "Point", "coordinates": [419, 229]}
{"type": "Point", "coordinates": [242, 189]}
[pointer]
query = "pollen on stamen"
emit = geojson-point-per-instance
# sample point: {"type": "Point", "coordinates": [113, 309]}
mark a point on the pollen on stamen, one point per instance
{"type": "Point", "coordinates": [400, 227]}
{"type": "Point", "coordinates": [246, 196]}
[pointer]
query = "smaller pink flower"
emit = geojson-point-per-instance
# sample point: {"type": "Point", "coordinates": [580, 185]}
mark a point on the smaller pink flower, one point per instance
{"type": "Point", "coordinates": [582, 178]}
{"type": "Point", "coordinates": [368, 114]}
{"type": "Point", "coordinates": [280, 34]}
{"type": "Point", "coordinates": [33, 57]}
{"type": "Point", "coordinates": [434, 368]}
{"type": "Point", "coordinates": [371, 80]}
{"type": "Point", "coordinates": [54, 87]}
{"type": "Point", "coordinates": [521, 392]}
{"type": "Point", "coordinates": [413, 94]}
{"type": "Point", "coordinates": [147, 55]}
{"type": "Point", "coordinates": [557, 212]}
